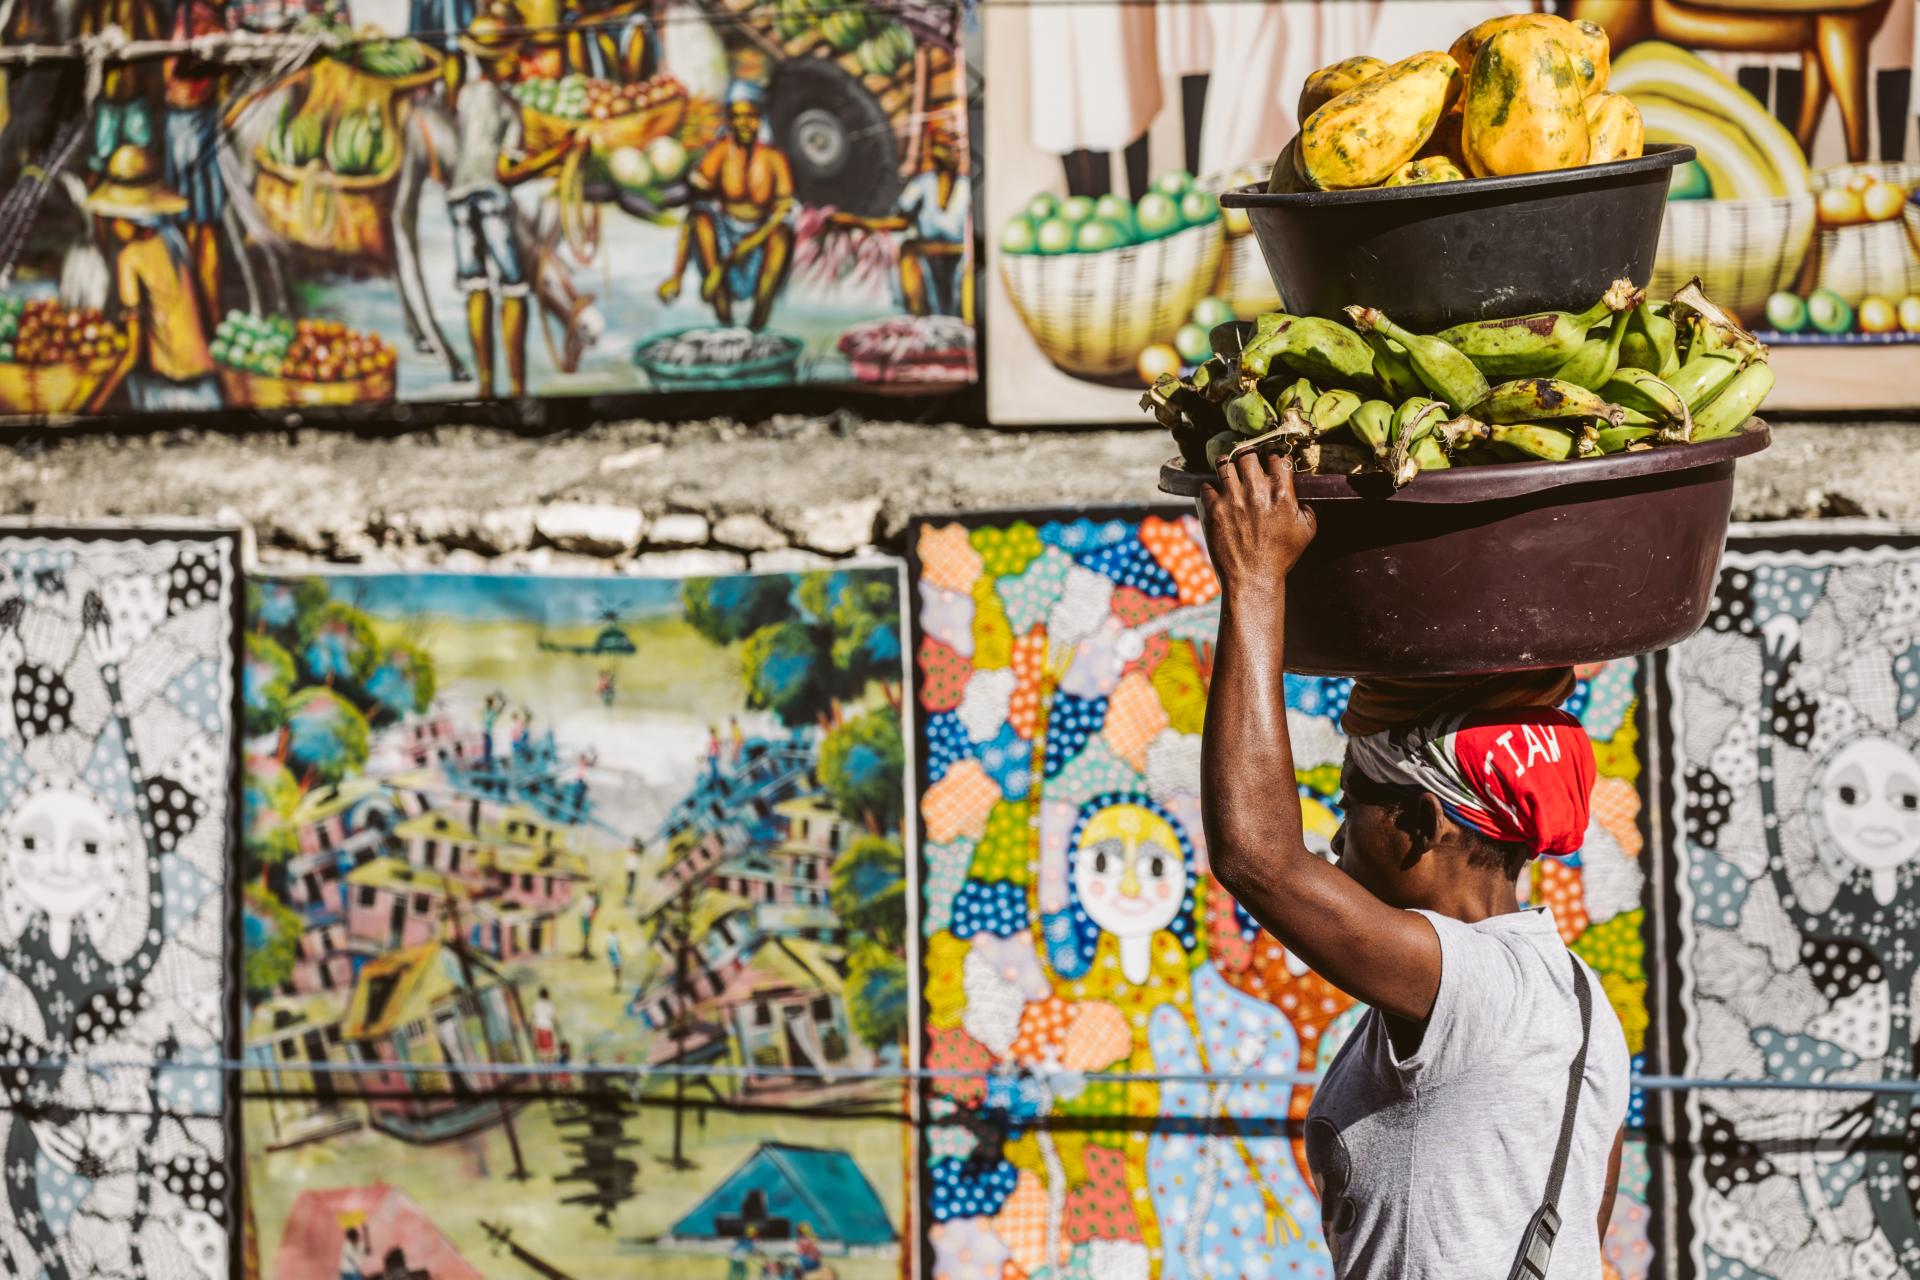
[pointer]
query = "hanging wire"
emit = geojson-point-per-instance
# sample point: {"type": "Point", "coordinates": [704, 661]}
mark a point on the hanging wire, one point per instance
{"type": "Point", "coordinates": [1055, 1080]}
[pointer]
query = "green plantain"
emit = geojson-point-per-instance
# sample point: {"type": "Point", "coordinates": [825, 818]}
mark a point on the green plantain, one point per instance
{"type": "Point", "coordinates": [1704, 376]}
{"type": "Point", "coordinates": [1616, 439]}
{"type": "Point", "coordinates": [1249, 414]}
{"type": "Point", "coordinates": [1429, 456]}
{"type": "Point", "coordinates": [1737, 402]}
{"type": "Point", "coordinates": [1534, 440]}
{"type": "Point", "coordinates": [1651, 341]}
{"type": "Point", "coordinates": [1542, 400]}
{"type": "Point", "coordinates": [1413, 423]}
{"type": "Point", "coordinates": [1597, 358]}
{"type": "Point", "coordinates": [1445, 370]}
{"type": "Point", "coordinates": [1329, 354]}
{"type": "Point", "coordinates": [1521, 346]}
{"type": "Point", "coordinates": [1331, 410]}
{"type": "Point", "coordinates": [1218, 447]}
{"type": "Point", "coordinates": [1642, 393]}
{"type": "Point", "coordinates": [1372, 426]}
{"type": "Point", "coordinates": [1391, 368]}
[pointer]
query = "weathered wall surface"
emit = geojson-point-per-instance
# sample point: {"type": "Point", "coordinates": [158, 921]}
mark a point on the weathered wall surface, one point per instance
{"type": "Point", "coordinates": [706, 496]}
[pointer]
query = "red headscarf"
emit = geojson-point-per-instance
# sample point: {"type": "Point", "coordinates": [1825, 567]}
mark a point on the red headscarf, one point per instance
{"type": "Point", "coordinates": [1522, 775]}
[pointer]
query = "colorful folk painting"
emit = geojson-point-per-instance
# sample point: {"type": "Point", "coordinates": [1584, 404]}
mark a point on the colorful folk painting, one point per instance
{"type": "Point", "coordinates": [1792, 785]}
{"type": "Point", "coordinates": [577, 925]}
{"type": "Point", "coordinates": [435, 201]}
{"type": "Point", "coordinates": [118, 654]}
{"type": "Point", "coordinates": [1075, 946]}
{"type": "Point", "coordinates": [1113, 128]}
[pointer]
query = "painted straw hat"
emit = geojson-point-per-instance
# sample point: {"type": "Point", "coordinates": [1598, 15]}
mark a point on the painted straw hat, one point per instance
{"type": "Point", "coordinates": [491, 37]}
{"type": "Point", "coordinates": [132, 189]}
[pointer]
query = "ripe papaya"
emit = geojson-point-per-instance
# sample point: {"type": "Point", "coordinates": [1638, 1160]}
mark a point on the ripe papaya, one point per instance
{"type": "Point", "coordinates": [1329, 82]}
{"type": "Point", "coordinates": [1362, 136]}
{"type": "Point", "coordinates": [1586, 44]}
{"type": "Point", "coordinates": [1525, 107]}
{"type": "Point", "coordinates": [1614, 128]}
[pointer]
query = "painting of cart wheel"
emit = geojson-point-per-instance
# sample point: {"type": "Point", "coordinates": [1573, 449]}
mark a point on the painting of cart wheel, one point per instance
{"type": "Point", "coordinates": [576, 926]}
{"type": "Point", "coordinates": [448, 200]}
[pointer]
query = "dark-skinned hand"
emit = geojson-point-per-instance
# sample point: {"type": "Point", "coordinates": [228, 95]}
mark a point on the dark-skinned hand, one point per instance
{"type": "Point", "coordinates": [1256, 530]}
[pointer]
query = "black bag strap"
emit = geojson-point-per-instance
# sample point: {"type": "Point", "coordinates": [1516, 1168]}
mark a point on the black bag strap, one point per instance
{"type": "Point", "coordinates": [1536, 1246]}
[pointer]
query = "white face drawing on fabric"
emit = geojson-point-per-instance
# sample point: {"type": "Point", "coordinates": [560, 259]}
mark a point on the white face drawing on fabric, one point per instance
{"type": "Point", "coordinates": [64, 847]}
{"type": "Point", "coordinates": [1131, 879]}
{"type": "Point", "coordinates": [1868, 795]}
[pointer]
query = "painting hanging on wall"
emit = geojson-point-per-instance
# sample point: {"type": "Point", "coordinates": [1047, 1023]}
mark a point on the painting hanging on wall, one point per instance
{"type": "Point", "coordinates": [1113, 128]}
{"type": "Point", "coordinates": [458, 202]}
{"type": "Point", "coordinates": [578, 924]}
{"type": "Point", "coordinates": [118, 654]}
{"type": "Point", "coordinates": [1792, 785]}
{"type": "Point", "coordinates": [1070, 923]}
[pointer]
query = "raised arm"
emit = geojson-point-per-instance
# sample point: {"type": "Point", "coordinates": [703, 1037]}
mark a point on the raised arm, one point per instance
{"type": "Point", "coordinates": [110, 651]}
{"type": "Point", "coordinates": [1250, 803]}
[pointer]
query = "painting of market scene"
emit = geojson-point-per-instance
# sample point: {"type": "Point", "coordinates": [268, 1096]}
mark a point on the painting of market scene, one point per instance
{"type": "Point", "coordinates": [457, 200]}
{"type": "Point", "coordinates": [576, 921]}
{"type": "Point", "coordinates": [1113, 128]}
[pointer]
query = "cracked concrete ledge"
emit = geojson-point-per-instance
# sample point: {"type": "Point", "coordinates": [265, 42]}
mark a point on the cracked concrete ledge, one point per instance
{"type": "Point", "coordinates": [641, 497]}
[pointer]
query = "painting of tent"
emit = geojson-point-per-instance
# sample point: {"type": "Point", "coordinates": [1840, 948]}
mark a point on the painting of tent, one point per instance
{"type": "Point", "coordinates": [387, 1220]}
{"type": "Point", "coordinates": [782, 1188]}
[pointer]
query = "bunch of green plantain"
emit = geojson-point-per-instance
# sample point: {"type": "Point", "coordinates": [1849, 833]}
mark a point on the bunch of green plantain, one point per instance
{"type": "Point", "coordinates": [1625, 375]}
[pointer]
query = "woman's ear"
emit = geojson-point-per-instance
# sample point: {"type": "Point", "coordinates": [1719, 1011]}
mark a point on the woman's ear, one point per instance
{"type": "Point", "coordinates": [1424, 821]}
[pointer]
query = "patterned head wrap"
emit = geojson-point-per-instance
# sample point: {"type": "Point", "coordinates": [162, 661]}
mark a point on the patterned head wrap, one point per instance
{"type": "Point", "coordinates": [1520, 775]}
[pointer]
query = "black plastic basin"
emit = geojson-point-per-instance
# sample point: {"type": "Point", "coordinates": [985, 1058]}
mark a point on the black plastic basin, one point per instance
{"type": "Point", "coordinates": [1507, 568]}
{"type": "Point", "coordinates": [1442, 253]}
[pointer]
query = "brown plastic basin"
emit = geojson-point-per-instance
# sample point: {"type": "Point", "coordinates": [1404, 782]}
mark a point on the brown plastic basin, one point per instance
{"type": "Point", "coordinates": [1507, 568]}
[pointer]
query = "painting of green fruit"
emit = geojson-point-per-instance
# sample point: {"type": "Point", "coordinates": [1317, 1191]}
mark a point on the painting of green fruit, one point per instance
{"type": "Point", "coordinates": [1157, 214]}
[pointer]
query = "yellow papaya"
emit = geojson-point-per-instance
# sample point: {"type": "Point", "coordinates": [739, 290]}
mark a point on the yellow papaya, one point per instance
{"type": "Point", "coordinates": [1614, 128]}
{"type": "Point", "coordinates": [1329, 82]}
{"type": "Point", "coordinates": [1362, 136]}
{"type": "Point", "coordinates": [1585, 41]}
{"type": "Point", "coordinates": [1525, 109]}
{"type": "Point", "coordinates": [1592, 55]}
{"type": "Point", "coordinates": [1425, 169]}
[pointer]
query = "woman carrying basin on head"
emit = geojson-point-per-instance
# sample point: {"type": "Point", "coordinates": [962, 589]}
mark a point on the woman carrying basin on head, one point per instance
{"type": "Point", "coordinates": [1432, 1139]}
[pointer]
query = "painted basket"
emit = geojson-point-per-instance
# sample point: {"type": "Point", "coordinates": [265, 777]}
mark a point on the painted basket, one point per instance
{"type": "Point", "coordinates": [34, 389]}
{"type": "Point", "coordinates": [1244, 281]}
{"type": "Point", "coordinates": [1092, 313]}
{"type": "Point", "coordinates": [778, 370]}
{"type": "Point", "coordinates": [328, 212]}
{"type": "Point", "coordinates": [1745, 250]}
{"type": "Point", "coordinates": [245, 390]}
{"type": "Point", "coordinates": [1872, 258]}
{"type": "Point", "coordinates": [633, 129]}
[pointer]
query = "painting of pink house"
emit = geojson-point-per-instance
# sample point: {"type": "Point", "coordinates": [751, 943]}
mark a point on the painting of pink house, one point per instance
{"type": "Point", "coordinates": [383, 1218]}
{"type": "Point", "coordinates": [541, 878]}
{"type": "Point", "coordinates": [437, 841]}
{"type": "Point", "coordinates": [394, 905]}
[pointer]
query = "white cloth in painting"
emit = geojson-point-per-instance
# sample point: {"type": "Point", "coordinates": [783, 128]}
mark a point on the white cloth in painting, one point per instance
{"type": "Point", "coordinates": [1184, 36]}
{"type": "Point", "coordinates": [1402, 28]}
{"type": "Point", "coordinates": [1094, 76]}
{"type": "Point", "coordinates": [1262, 55]}
{"type": "Point", "coordinates": [1229, 1208]}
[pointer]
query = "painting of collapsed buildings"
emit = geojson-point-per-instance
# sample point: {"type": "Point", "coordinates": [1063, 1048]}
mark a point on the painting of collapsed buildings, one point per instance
{"type": "Point", "coordinates": [504, 834]}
